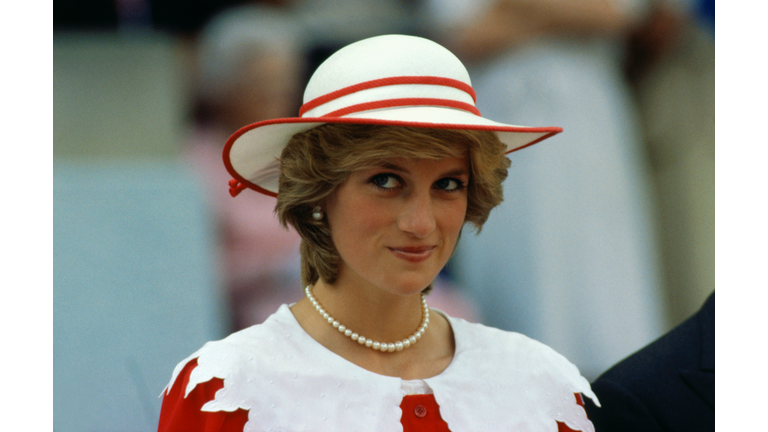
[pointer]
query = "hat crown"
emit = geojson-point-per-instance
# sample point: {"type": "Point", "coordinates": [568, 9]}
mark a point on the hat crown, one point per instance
{"type": "Point", "coordinates": [384, 57]}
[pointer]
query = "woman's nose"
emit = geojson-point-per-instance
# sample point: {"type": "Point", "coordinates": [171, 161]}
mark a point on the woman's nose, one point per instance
{"type": "Point", "coordinates": [417, 216]}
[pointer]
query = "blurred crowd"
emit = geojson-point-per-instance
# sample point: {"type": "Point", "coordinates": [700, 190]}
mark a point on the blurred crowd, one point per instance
{"type": "Point", "coordinates": [606, 235]}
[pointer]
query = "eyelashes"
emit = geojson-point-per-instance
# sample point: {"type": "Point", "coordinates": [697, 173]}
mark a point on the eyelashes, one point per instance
{"type": "Point", "coordinates": [388, 182]}
{"type": "Point", "coordinates": [450, 184]}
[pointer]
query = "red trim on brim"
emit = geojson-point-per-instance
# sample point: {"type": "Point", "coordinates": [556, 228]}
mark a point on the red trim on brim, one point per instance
{"type": "Point", "coordinates": [534, 141]}
{"type": "Point", "coordinates": [551, 131]}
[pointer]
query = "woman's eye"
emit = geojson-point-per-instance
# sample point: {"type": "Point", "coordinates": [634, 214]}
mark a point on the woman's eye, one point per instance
{"type": "Point", "coordinates": [449, 184]}
{"type": "Point", "coordinates": [385, 181]}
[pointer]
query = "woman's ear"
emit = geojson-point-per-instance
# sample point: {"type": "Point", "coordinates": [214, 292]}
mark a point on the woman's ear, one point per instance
{"type": "Point", "coordinates": [326, 204]}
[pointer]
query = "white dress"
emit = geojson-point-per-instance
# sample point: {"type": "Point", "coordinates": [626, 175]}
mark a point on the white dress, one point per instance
{"type": "Point", "coordinates": [570, 256]}
{"type": "Point", "coordinates": [287, 381]}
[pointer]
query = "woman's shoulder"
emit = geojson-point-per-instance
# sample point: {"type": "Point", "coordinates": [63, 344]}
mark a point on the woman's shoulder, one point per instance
{"type": "Point", "coordinates": [183, 411]}
{"type": "Point", "coordinates": [225, 357]}
{"type": "Point", "coordinates": [475, 337]}
{"type": "Point", "coordinates": [512, 353]}
{"type": "Point", "coordinates": [529, 383]}
{"type": "Point", "coordinates": [276, 364]}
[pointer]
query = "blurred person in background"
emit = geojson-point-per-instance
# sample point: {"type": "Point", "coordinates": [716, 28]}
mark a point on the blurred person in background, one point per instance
{"type": "Point", "coordinates": [575, 236]}
{"type": "Point", "coordinates": [250, 68]}
{"type": "Point", "coordinates": [671, 65]}
{"type": "Point", "coordinates": [669, 385]}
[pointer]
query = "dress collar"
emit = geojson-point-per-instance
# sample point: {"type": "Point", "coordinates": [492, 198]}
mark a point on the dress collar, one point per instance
{"type": "Point", "coordinates": [286, 379]}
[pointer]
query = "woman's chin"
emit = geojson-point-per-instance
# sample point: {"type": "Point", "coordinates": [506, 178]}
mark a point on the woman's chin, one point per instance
{"type": "Point", "coordinates": [412, 286]}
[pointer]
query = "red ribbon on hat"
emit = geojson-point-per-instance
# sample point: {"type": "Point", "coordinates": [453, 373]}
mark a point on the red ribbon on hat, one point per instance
{"type": "Point", "coordinates": [389, 103]}
{"type": "Point", "coordinates": [382, 82]}
{"type": "Point", "coordinates": [235, 187]}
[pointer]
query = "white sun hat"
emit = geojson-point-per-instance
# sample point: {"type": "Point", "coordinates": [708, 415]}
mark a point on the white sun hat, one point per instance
{"type": "Point", "coordinates": [392, 80]}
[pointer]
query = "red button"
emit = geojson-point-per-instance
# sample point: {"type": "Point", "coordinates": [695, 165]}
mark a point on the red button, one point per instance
{"type": "Point", "coordinates": [420, 411]}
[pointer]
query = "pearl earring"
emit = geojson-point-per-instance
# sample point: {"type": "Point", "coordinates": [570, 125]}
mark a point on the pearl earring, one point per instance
{"type": "Point", "coordinates": [317, 213]}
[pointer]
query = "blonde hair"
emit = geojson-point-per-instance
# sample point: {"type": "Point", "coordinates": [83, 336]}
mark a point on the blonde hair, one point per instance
{"type": "Point", "coordinates": [316, 162]}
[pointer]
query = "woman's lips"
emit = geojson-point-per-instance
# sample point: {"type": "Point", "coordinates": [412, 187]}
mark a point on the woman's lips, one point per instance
{"type": "Point", "coordinates": [413, 253]}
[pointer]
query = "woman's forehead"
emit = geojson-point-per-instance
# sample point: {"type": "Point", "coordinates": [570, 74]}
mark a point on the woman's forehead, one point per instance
{"type": "Point", "coordinates": [456, 165]}
{"type": "Point", "coordinates": [404, 151]}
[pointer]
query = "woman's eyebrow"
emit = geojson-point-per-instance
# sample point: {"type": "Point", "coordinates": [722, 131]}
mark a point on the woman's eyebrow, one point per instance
{"type": "Point", "coordinates": [393, 167]}
{"type": "Point", "coordinates": [456, 173]}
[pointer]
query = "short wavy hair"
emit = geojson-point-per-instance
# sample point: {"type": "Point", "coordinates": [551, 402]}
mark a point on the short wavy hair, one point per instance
{"type": "Point", "coordinates": [316, 162]}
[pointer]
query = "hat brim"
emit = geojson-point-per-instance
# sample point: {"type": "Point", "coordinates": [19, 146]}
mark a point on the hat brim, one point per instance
{"type": "Point", "coordinates": [251, 154]}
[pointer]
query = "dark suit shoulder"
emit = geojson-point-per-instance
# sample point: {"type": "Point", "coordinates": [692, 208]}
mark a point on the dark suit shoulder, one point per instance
{"type": "Point", "coordinates": [660, 360]}
{"type": "Point", "coordinates": [661, 387]}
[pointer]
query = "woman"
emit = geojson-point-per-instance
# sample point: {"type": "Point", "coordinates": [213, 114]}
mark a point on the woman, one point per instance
{"type": "Point", "coordinates": [387, 162]}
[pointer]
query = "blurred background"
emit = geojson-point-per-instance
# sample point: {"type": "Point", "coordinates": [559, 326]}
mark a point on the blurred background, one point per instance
{"type": "Point", "coordinates": [604, 242]}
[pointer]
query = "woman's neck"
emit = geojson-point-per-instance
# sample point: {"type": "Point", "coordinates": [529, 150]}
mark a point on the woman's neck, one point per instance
{"type": "Point", "coordinates": [380, 316]}
{"type": "Point", "coordinates": [369, 311]}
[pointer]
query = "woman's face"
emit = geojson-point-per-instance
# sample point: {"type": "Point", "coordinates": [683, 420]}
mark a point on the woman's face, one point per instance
{"type": "Point", "coordinates": [396, 225]}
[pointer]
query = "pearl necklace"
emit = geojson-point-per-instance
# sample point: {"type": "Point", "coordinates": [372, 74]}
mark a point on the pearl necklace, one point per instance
{"type": "Point", "coordinates": [379, 346]}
